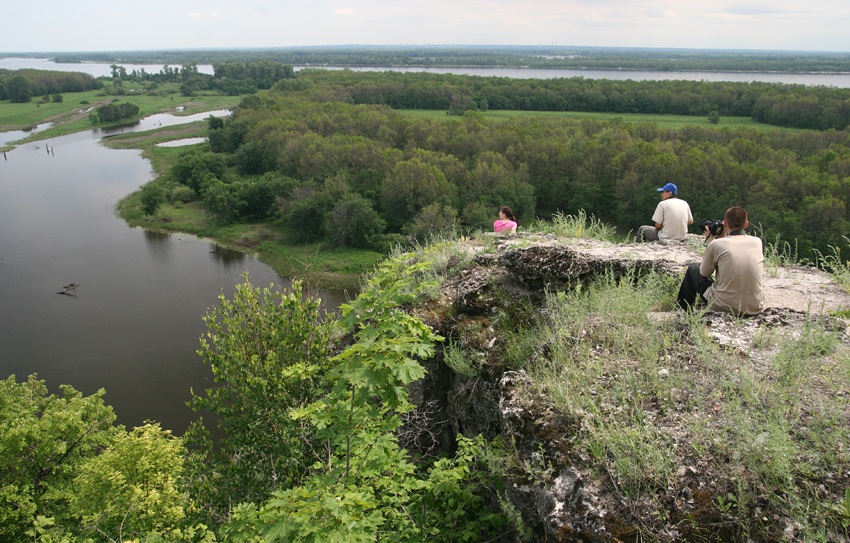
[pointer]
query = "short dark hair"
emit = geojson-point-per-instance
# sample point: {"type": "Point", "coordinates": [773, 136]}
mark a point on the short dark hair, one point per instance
{"type": "Point", "coordinates": [736, 218]}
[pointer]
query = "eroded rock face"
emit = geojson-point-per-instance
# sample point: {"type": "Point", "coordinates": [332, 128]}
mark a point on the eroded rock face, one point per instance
{"type": "Point", "coordinates": [564, 501]}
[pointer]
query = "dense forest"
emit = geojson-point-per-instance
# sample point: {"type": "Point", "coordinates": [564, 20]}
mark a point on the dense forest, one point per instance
{"type": "Point", "coordinates": [544, 56]}
{"type": "Point", "coordinates": [796, 106]}
{"type": "Point", "coordinates": [366, 175]}
{"type": "Point", "coordinates": [20, 86]}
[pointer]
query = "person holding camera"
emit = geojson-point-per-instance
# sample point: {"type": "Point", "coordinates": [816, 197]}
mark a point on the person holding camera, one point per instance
{"type": "Point", "coordinates": [737, 262]}
{"type": "Point", "coordinates": [672, 217]}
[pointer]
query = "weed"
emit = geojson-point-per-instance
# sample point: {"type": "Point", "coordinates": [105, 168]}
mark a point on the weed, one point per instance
{"type": "Point", "coordinates": [578, 226]}
{"type": "Point", "coordinates": [794, 357]}
{"type": "Point", "coordinates": [725, 504]}
{"type": "Point", "coordinates": [458, 362]}
{"type": "Point", "coordinates": [777, 253]}
{"type": "Point", "coordinates": [835, 265]}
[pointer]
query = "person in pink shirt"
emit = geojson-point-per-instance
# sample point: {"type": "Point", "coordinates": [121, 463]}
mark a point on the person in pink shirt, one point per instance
{"type": "Point", "coordinates": [506, 222]}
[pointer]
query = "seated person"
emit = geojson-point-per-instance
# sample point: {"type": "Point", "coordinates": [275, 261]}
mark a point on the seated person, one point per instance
{"type": "Point", "coordinates": [672, 217]}
{"type": "Point", "coordinates": [737, 262]}
{"type": "Point", "coordinates": [506, 222]}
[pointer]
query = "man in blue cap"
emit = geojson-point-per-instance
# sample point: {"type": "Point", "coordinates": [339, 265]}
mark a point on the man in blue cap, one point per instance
{"type": "Point", "coordinates": [672, 217]}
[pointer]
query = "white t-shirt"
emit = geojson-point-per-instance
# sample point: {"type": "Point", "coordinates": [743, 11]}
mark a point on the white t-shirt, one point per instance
{"type": "Point", "coordinates": [674, 215]}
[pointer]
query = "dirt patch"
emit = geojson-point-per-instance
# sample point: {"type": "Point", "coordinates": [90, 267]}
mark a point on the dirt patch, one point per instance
{"type": "Point", "coordinates": [77, 114]}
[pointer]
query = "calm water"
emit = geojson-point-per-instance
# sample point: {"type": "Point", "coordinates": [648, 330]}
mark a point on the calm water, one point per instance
{"type": "Point", "coordinates": [94, 68]}
{"type": "Point", "coordinates": [133, 323]}
{"type": "Point", "coordinates": [834, 80]}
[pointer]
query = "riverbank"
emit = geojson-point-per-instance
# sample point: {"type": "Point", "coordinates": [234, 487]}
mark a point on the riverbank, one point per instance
{"type": "Point", "coordinates": [319, 265]}
{"type": "Point", "coordinates": [71, 114]}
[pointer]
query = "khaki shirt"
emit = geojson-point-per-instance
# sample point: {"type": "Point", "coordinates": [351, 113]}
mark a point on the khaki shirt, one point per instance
{"type": "Point", "coordinates": [737, 263]}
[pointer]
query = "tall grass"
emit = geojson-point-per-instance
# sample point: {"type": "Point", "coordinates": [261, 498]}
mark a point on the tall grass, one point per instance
{"type": "Point", "coordinates": [650, 397]}
{"type": "Point", "coordinates": [579, 225]}
{"type": "Point", "coordinates": [835, 264]}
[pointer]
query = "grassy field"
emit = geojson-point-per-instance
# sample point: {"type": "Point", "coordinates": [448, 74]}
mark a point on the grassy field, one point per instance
{"type": "Point", "coordinates": [663, 121]}
{"type": "Point", "coordinates": [72, 113]}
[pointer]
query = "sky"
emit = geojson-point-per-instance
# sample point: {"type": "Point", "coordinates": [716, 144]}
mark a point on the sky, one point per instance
{"type": "Point", "coordinates": [98, 25]}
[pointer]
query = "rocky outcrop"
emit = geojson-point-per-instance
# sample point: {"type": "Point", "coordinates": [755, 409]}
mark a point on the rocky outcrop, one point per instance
{"type": "Point", "coordinates": [563, 500]}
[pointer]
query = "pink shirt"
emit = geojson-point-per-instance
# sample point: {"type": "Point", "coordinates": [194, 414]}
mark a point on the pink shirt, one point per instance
{"type": "Point", "coordinates": [504, 225]}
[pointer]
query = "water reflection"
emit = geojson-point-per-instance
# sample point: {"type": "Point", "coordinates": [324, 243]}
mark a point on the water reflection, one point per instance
{"type": "Point", "coordinates": [133, 324]}
{"type": "Point", "coordinates": [15, 135]}
{"type": "Point", "coordinates": [161, 120]}
{"type": "Point", "coordinates": [228, 257]}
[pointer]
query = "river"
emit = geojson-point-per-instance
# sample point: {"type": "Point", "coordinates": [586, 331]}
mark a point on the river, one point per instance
{"type": "Point", "coordinates": [833, 80]}
{"type": "Point", "coordinates": [133, 324]}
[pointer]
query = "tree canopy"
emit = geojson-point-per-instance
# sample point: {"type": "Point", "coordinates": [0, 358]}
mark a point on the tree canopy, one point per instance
{"type": "Point", "coordinates": [316, 132]}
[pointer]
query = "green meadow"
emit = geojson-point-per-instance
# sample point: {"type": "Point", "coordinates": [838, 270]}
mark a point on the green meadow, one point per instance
{"type": "Point", "coordinates": [72, 113]}
{"type": "Point", "coordinates": [663, 121]}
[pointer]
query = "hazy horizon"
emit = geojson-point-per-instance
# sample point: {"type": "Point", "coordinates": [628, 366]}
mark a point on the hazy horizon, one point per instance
{"type": "Point", "coordinates": [429, 46]}
{"type": "Point", "coordinates": [98, 25]}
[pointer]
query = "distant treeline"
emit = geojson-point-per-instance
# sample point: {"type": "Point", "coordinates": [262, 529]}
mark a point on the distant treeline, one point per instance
{"type": "Point", "coordinates": [21, 85]}
{"type": "Point", "coordinates": [231, 78]}
{"type": "Point", "coordinates": [565, 57]}
{"type": "Point", "coordinates": [364, 175]}
{"type": "Point", "coordinates": [795, 106]}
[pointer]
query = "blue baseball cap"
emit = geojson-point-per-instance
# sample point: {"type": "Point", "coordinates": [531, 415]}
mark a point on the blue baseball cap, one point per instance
{"type": "Point", "coordinates": [669, 187]}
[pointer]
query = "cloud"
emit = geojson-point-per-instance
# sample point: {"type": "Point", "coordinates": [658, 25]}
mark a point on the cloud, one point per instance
{"type": "Point", "coordinates": [752, 9]}
{"type": "Point", "coordinates": [346, 12]}
{"type": "Point", "coordinates": [196, 15]}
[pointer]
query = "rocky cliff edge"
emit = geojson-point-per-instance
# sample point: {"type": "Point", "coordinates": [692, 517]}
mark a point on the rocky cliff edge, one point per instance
{"type": "Point", "coordinates": [569, 499]}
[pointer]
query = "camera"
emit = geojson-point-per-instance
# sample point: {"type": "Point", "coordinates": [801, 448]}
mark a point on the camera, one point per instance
{"type": "Point", "coordinates": [715, 227]}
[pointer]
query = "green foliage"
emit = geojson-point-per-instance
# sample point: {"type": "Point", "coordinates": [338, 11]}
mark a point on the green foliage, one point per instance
{"type": "Point", "coordinates": [353, 223]}
{"type": "Point", "coordinates": [578, 226]}
{"type": "Point", "coordinates": [131, 488]}
{"type": "Point", "coordinates": [304, 212]}
{"type": "Point", "coordinates": [453, 503]}
{"type": "Point", "coordinates": [16, 85]}
{"type": "Point", "coordinates": [410, 187]}
{"type": "Point", "coordinates": [151, 197]}
{"type": "Point", "coordinates": [214, 123]}
{"type": "Point", "coordinates": [44, 440]}
{"type": "Point", "coordinates": [364, 488]}
{"type": "Point", "coordinates": [268, 351]}
{"type": "Point", "coordinates": [835, 264]}
{"type": "Point", "coordinates": [17, 90]}
{"type": "Point", "coordinates": [459, 362]}
{"type": "Point", "coordinates": [195, 168]}
{"type": "Point", "coordinates": [336, 125]}
{"type": "Point", "coordinates": [432, 221]}
{"type": "Point", "coordinates": [713, 116]}
{"type": "Point", "coordinates": [110, 113]}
